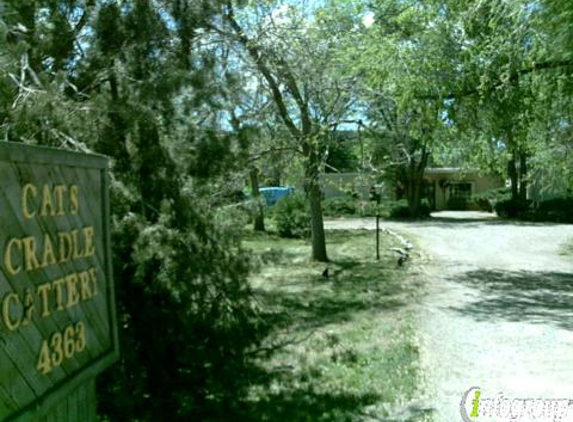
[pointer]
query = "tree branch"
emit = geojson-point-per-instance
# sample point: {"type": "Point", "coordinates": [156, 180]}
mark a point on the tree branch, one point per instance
{"type": "Point", "coordinates": [547, 65]}
{"type": "Point", "coordinates": [260, 154]}
{"type": "Point", "coordinates": [257, 56]}
{"type": "Point", "coordinates": [293, 88]}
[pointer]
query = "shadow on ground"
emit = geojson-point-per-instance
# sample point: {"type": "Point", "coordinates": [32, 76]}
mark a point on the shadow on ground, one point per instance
{"type": "Point", "coordinates": [306, 316]}
{"type": "Point", "coordinates": [338, 348]}
{"type": "Point", "coordinates": [538, 297]}
{"type": "Point", "coordinates": [351, 287]}
{"type": "Point", "coordinates": [306, 406]}
{"type": "Point", "coordinates": [300, 403]}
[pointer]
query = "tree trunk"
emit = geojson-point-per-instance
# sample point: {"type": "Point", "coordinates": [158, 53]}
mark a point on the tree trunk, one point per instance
{"type": "Point", "coordinates": [317, 224]}
{"type": "Point", "coordinates": [414, 198]}
{"type": "Point", "coordinates": [314, 195]}
{"type": "Point", "coordinates": [301, 133]}
{"type": "Point", "coordinates": [276, 169]}
{"type": "Point", "coordinates": [522, 175]}
{"type": "Point", "coordinates": [512, 173]}
{"type": "Point", "coordinates": [259, 215]}
{"type": "Point", "coordinates": [410, 197]}
{"type": "Point", "coordinates": [415, 176]}
{"type": "Point", "coordinates": [511, 166]}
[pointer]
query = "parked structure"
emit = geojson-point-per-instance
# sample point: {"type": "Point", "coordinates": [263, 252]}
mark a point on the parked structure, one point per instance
{"type": "Point", "coordinates": [443, 187]}
{"type": "Point", "coordinates": [452, 187]}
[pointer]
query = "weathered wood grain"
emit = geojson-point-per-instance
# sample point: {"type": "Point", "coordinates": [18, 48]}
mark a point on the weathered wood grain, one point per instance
{"type": "Point", "coordinates": [79, 405]}
{"type": "Point", "coordinates": [67, 392]}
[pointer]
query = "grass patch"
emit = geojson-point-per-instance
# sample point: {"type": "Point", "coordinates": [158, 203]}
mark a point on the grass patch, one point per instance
{"type": "Point", "coordinates": [341, 348]}
{"type": "Point", "coordinates": [567, 248]}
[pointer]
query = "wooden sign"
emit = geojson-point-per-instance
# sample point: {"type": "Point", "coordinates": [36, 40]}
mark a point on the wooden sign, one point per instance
{"type": "Point", "coordinates": [57, 312]}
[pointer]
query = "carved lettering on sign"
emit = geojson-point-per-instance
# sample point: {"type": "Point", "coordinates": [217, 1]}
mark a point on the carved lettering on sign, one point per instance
{"type": "Point", "coordinates": [57, 312]}
{"type": "Point", "coordinates": [30, 253]}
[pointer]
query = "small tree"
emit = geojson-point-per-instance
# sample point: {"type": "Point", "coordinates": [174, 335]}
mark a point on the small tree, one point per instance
{"type": "Point", "coordinates": [292, 56]}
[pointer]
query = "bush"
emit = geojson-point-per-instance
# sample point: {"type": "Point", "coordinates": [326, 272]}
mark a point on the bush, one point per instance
{"type": "Point", "coordinates": [340, 206]}
{"type": "Point", "coordinates": [483, 204]}
{"type": "Point", "coordinates": [345, 206]}
{"type": "Point", "coordinates": [487, 200]}
{"type": "Point", "coordinates": [400, 210]}
{"type": "Point", "coordinates": [559, 210]}
{"type": "Point", "coordinates": [291, 216]}
{"type": "Point", "coordinates": [371, 208]}
{"type": "Point", "coordinates": [425, 209]}
{"type": "Point", "coordinates": [186, 356]}
{"type": "Point", "coordinates": [233, 217]}
{"type": "Point", "coordinates": [511, 208]}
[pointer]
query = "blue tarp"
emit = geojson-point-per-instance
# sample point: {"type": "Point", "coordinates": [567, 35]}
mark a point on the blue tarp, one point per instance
{"type": "Point", "coordinates": [273, 194]}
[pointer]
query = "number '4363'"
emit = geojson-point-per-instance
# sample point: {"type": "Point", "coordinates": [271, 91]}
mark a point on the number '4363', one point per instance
{"type": "Point", "coordinates": [61, 346]}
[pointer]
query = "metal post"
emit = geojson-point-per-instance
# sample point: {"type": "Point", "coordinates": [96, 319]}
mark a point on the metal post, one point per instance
{"type": "Point", "coordinates": [377, 237]}
{"type": "Point", "coordinates": [378, 226]}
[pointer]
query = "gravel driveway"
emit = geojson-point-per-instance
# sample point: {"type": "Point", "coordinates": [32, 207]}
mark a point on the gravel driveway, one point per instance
{"type": "Point", "coordinates": [499, 308]}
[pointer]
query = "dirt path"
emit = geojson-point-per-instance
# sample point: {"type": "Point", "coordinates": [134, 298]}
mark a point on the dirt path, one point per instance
{"type": "Point", "coordinates": [499, 309]}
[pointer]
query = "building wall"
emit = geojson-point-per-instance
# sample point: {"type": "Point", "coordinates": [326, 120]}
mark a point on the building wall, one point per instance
{"type": "Point", "coordinates": [438, 182]}
{"type": "Point", "coordinates": [443, 180]}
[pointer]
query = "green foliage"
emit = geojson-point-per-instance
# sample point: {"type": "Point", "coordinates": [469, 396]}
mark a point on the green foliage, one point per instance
{"type": "Point", "coordinates": [189, 287]}
{"type": "Point", "coordinates": [483, 204]}
{"type": "Point", "coordinates": [341, 332]}
{"type": "Point", "coordinates": [401, 210]}
{"type": "Point", "coordinates": [233, 218]}
{"type": "Point", "coordinates": [342, 154]}
{"type": "Point", "coordinates": [291, 216]}
{"type": "Point", "coordinates": [186, 316]}
{"type": "Point", "coordinates": [486, 200]}
{"type": "Point", "coordinates": [348, 206]}
{"type": "Point", "coordinates": [147, 83]}
{"type": "Point", "coordinates": [402, 68]}
{"type": "Point", "coordinates": [511, 97]}
{"type": "Point", "coordinates": [511, 208]}
{"type": "Point", "coordinates": [341, 206]}
{"type": "Point", "coordinates": [371, 209]}
{"type": "Point", "coordinates": [558, 210]}
{"type": "Point", "coordinates": [494, 195]}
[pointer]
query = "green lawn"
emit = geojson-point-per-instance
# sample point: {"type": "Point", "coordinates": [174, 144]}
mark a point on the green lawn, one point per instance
{"type": "Point", "coordinates": [567, 248]}
{"type": "Point", "coordinates": [341, 348]}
